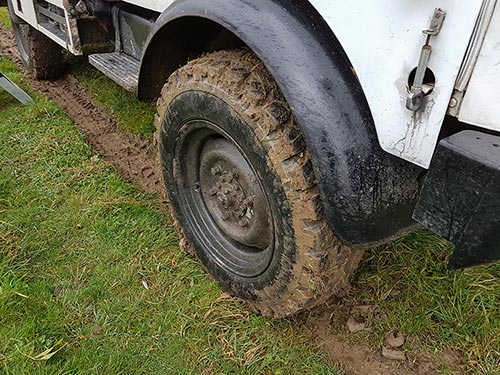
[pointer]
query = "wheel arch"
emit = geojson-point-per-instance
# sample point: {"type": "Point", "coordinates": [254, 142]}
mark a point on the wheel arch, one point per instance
{"type": "Point", "coordinates": [173, 43]}
{"type": "Point", "coordinates": [367, 195]}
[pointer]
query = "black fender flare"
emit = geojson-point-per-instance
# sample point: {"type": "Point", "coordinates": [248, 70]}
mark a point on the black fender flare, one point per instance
{"type": "Point", "coordinates": [368, 195]}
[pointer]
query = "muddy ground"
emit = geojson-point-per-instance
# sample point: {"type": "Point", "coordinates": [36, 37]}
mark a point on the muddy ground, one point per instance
{"type": "Point", "coordinates": [136, 159]}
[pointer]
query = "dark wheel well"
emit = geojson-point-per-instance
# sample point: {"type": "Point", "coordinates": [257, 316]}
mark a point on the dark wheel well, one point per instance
{"type": "Point", "coordinates": [175, 44]}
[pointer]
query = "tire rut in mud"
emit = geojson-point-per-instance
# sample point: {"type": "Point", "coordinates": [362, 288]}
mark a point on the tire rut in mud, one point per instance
{"type": "Point", "coordinates": [136, 158]}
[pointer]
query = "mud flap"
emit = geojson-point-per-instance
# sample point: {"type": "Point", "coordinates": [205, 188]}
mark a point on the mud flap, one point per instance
{"type": "Point", "coordinates": [460, 198]}
{"type": "Point", "coordinates": [14, 90]}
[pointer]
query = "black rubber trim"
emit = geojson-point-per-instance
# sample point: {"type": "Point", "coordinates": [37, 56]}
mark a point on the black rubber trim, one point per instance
{"type": "Point", "coordinates": [368, 195]}
{"type": "Point", "coordinates": [460, 199]}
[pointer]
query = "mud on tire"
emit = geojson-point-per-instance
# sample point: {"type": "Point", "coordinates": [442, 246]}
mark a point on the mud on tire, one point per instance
{"type": "Point", "coordinates": [42, 56]}
{"type": "Point", "coordinates": [235, 102]}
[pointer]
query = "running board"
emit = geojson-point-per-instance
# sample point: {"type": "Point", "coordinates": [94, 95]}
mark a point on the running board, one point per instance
{"type": "Point", "coordinates": [120, 67]}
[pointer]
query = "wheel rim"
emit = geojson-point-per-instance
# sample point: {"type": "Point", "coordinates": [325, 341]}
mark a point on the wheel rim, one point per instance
{"type": "Point", "coordinates": [223, 199]}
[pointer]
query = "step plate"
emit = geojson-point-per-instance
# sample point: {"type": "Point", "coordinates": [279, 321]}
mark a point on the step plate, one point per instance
{"type": "Point", "coordinates": [120, 67]}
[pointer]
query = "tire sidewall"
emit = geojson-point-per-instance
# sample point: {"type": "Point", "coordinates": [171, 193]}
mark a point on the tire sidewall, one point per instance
{"type": "Point", "coordinates": [192, 105]}
{"type": "Point", "coordinates": [22, 42]}
{"type": "Point", "coordinates": [13, 17]}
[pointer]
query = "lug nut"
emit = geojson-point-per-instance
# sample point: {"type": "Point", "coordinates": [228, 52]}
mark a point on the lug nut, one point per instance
{"type": "Point", "coordinates": [243, 222]}
{"type": "Point", "coordinates": [222, 198]}
{"type": "Point", "coordinates": [216, 170]}
{"type": "Point", "coordinates": [247, 201]}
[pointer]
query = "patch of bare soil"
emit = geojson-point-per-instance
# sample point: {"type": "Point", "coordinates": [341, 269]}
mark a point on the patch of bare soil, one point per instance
{"type": "Point", "coordinates": [334, 332]}
{"type": "Point", "coordinates": [333, 327]}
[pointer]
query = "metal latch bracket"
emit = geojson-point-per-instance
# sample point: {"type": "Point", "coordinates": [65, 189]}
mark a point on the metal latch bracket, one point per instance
{"type": "Point", "coordinates": [415, 99]}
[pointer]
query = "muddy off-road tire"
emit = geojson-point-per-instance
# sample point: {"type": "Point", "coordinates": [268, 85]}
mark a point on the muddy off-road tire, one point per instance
{"type": "Point", "coordinates": [42, 56]}
{"type": "Point", "coordinates": [242, 189]}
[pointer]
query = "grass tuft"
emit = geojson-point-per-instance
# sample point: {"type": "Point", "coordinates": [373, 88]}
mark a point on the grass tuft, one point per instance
{"type": "Point", "coordinates": [5, 18]}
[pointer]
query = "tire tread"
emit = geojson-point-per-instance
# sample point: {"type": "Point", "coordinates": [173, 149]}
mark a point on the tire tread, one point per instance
{"type": "Point", "coordinates": [323, 264]}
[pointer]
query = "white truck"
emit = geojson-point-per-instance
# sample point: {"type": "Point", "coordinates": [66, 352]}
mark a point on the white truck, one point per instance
{"type": "Point", "coordinates": [296, 133]}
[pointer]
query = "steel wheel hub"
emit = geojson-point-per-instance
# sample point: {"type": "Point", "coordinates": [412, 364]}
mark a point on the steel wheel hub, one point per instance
{"type": "Point", "coordinates": [233, 195]}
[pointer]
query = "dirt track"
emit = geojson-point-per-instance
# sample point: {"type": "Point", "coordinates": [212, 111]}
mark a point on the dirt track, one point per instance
{"type": "Point", "coordinates": [135, 157]}
{"type": "Point", "coordinates": [137, 160]}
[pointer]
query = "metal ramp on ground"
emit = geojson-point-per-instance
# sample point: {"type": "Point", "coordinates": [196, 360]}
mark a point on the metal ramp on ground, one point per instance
{"type": "Point", "coordinates": [14, 90]}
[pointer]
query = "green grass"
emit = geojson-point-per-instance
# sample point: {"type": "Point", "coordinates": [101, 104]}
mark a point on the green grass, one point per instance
{"type": "Point", "coordinates": [422, 299]}
{"type": "Point", "coordinates": [4, 17]}
{"type": "Point", "coordinates": [134, 116]}
{"type": "Point", "coordinates": [92, 280]}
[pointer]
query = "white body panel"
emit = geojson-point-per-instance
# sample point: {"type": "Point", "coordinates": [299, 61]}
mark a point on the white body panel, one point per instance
{"type": "Point", "coordinates": [481, 102]}
{"type": "Point", "coordinates": [383, 40]}
{"type": "Point", "coordinates": [29, 15]}
{"type": "Point", "coordinates": [156, 5]}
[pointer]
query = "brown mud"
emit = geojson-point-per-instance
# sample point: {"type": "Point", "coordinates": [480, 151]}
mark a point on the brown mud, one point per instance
{"type": "Point", "coordinates": [328, 327]}
{"type": "Point", "coordinates": [136, 159]}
